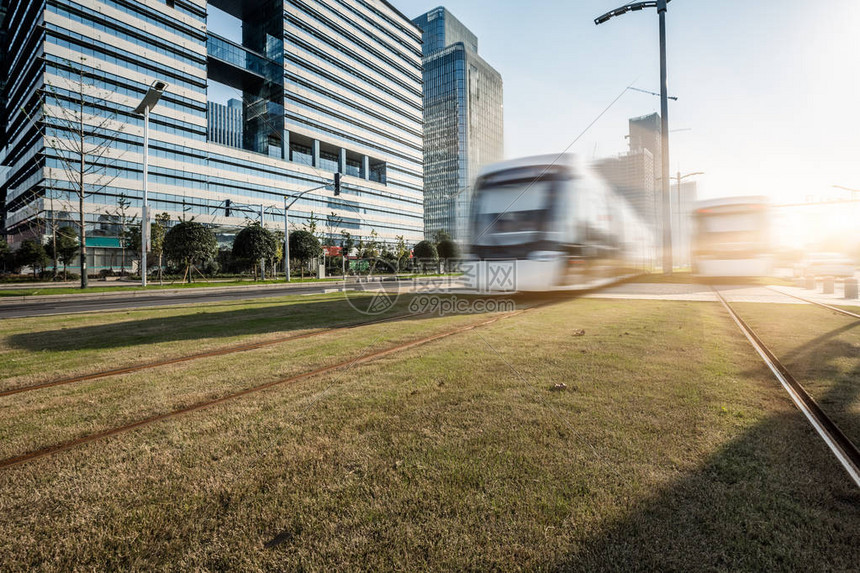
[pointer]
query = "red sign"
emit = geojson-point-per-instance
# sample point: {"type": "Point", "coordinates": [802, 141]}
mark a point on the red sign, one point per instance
{"type": "Point", "coordinates": [332, 251]}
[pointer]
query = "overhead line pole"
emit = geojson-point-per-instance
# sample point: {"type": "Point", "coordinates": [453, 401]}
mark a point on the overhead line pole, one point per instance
{"type": "Point", "coordinates": [664, 111]}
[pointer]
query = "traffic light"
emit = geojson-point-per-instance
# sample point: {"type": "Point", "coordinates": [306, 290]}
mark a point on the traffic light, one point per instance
{"type": "Point", "coordinates": [227, 204]}
{"type": "Point", "coordinates": [336, 184]}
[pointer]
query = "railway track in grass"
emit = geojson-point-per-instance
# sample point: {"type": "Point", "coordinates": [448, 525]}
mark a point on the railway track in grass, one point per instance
{"type": "Point", "coordinates": [195, 356]}
{"type": "Point", "coordinates": [847, 313]}
{"type": "Point", "coordinates": [845, 451]}
{"type": "Point", "coordinates": [343, 365]}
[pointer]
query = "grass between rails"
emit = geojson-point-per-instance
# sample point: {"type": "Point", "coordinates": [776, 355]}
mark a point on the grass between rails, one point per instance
{"type": "Point", "coordinates": [672, 449]}
{"type": "Point", "coordinates": [45, 348]}
{"type": "Point", "coordinates": [821, 348]}
{"type": "Point", "coordinates": [34, 420]}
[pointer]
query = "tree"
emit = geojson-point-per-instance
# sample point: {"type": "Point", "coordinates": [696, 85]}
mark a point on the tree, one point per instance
{"type": "Point", "coordinates": [400, 251]}
{"type": "Point", "coordinates": [4, 254]}
{"type": "Point", "coordinates": [190, 243]}
{"type": "Point", "coordinates": [158, 229]}
{"type": "Point", "coordinates": [448, 250]}
{"type": "Point", "coordinates": [78, 121]}
{"type": "Point", "coordinates": [441, 235]}
{"type": "Point", "coordinates": [425, 252]}
{"type": "Point", "coordinates": [126, 240]}
{"type": "Point", "coordinates": [255, 244]}
{"type": "Point", "coordinates": [304, 246]}
{"type": "Point", "coordinates": [64, 247]}
{"type": "Point", "coordinates": [32, 254]}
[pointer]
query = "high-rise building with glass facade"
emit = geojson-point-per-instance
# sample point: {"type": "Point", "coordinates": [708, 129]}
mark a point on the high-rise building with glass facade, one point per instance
{"type": "Point", "coordinates": [463, 120]}
{"type": "Point", "coordinates": [317, 87]}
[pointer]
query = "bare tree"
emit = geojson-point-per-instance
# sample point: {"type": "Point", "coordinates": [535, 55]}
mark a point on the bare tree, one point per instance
{"type": "Point", "coordinates": [79, 124]}
{"type": "Point", "coordinates": [126, 222]}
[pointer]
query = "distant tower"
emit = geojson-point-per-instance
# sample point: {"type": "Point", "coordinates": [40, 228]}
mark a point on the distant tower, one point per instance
{"type": "Point", "coordinates": [225, 123]}
{"type": "Point", "coordinates": [463, 120]}
{"type": "Point", "coordinates": [635, 174]}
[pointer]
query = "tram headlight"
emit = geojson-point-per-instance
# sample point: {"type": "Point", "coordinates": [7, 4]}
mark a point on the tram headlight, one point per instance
{"type": "Point", "coordinates": [545, 256]}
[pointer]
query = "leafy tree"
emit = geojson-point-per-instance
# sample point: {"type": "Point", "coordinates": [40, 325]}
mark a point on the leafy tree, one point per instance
{"type": "Point", "coordinates": [448, 250]}
{"type": "Point", "coordinates": [400, 251]}
{"type": "Point", "coordinates": [4, 254]}
{"type": "Point", "coordinates": [190, 243]}
{"type": "Point", "coordinates": [64, 247]}
{"type": "Point", "coordinates": [347, 243]}
{"type": "Point", "coordinates": [132, 239]}
{"type": "Point", "coordinates": [304, 246]}
{"type": "Point", "coordinates": [32, 254]}
{"type": "Point", "coordinates": [158, 229]}
{"type": "Point", "coordinates": [371, 247]}
{"type": "Point", "coordinates": [255, 244]}
{"type": "Point", "coordinates": [440, 235]}
{"type": "Point", "coordinates": [426, 252]}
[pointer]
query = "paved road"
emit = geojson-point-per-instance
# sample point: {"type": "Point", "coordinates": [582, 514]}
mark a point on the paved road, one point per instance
{"type": "Point", "coordinates": [70, 305]}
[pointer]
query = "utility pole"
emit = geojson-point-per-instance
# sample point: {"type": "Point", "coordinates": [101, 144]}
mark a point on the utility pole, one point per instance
{"type": "Point", "coordinates": [664, 112]}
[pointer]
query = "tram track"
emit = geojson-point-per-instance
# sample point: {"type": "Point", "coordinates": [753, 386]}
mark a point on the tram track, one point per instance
{"type": "Point", "coordinates": [820, 304]}
{"type": "Point", "coordinates": [845, 451]}
{"type": "Point", "coordinates": [195, 356]}
{"type": "Point", "coordinates": [343, 365]}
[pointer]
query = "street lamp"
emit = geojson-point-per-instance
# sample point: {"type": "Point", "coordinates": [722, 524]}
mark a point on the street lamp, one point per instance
{"type": "Point", "coordinates": [664, 111]}
{"type": "Point", "coordinates": [287, 206]}
{"type": "Point", "coordinates": [153, 94]}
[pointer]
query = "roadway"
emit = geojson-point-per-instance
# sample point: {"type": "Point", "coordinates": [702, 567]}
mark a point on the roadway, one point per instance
{"type": "Point", "coordinates": [70, 304]}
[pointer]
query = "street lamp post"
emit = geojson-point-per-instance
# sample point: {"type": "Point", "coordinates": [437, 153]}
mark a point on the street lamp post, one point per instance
{"type": "Point", "coordinates": [664, 110]}
{"type": "Point", "coordinates": [153, 94]}
{"type": "Point", "coordinates": [287, 224]}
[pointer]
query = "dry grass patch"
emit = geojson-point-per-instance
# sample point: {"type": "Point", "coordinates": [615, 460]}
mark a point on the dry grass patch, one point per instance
{"type": "Point", "coordinates": [670, 449]}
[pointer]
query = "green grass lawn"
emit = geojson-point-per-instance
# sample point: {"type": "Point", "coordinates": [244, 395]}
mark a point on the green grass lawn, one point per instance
{"type": "Point", "coordinates": [671, 449]}
{"type": "Point", "coordinates": [821, 349]}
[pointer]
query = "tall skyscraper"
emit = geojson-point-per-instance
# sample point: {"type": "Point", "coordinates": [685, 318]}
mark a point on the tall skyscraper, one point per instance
{"type": "Point", "coordinates": [463, 120]}
{"type": "Point", "coordinates": [225, 123]}
{"type": "Point", "coordinates": [635, 174]}
{"type": "Point", "coordinates": [320, 87]}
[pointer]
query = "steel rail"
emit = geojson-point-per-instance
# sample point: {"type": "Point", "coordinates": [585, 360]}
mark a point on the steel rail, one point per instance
{"type": "Point", "coordinates": [821, 304]}
{"type": "Point", "coordinates": [843, 448]}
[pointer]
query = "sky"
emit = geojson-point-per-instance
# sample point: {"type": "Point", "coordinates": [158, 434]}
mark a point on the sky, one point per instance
{"type": "Point", "coordinates": [767, 90]}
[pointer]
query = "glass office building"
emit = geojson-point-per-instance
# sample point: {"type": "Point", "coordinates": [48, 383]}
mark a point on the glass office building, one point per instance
{"type": "Point", "coordinates": [463, 120]}
{"type": "Point", "coordinates": [265, 99]}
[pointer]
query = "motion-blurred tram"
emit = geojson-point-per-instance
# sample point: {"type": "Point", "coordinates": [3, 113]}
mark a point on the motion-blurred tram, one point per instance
{"type": "Point", "coordinates": [548, 223]}
{"type": "Point", "coordinates": [731, 237]}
